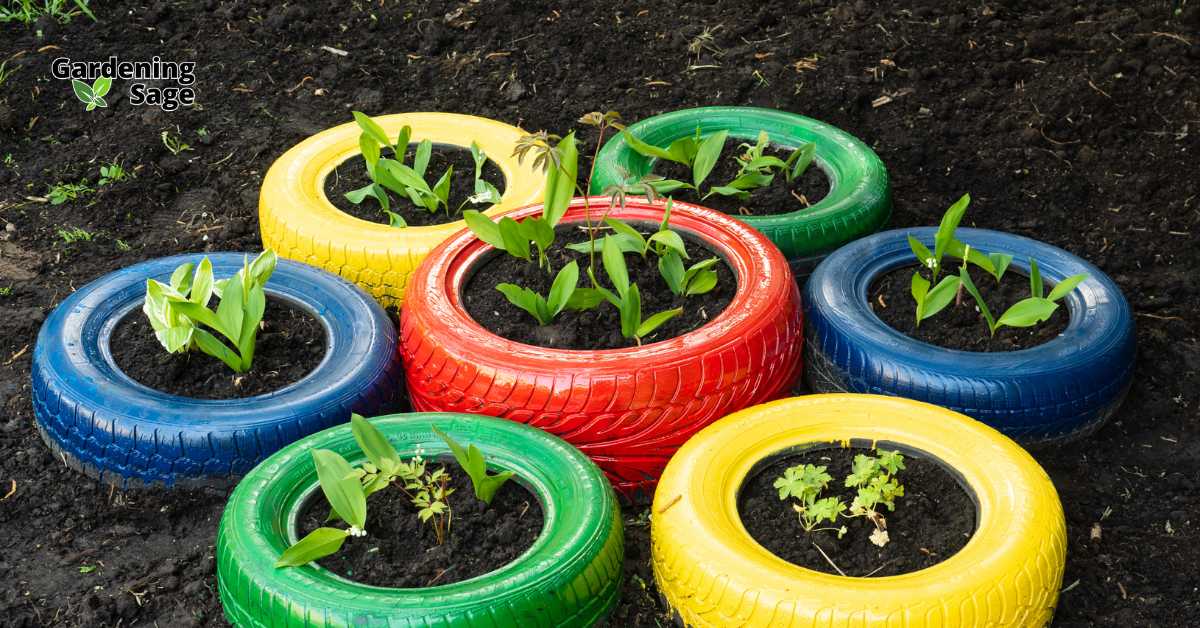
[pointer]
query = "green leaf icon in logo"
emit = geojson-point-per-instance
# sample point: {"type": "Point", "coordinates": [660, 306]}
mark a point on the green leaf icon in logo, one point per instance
{"type": "Point", "coordinates": [93, 95]}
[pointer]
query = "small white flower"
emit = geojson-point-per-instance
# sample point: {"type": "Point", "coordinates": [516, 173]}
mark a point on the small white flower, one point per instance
{"type": "Point", "coordinates": [879, 537]}
{"type": "Point", "coordinates": [357, 531]}
{"type": "Point", "coordinates": [931, 263]}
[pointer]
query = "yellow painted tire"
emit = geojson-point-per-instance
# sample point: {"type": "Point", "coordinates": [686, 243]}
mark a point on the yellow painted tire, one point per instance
{"type": "Point", "coordinates": [301, 224]}
{"type": "Point", "coordinates": [712, 573]}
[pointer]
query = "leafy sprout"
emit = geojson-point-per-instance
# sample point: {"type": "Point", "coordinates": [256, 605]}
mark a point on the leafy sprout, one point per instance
{"type": "Point", "coordinates": [1028, 311]}
{"type": "Point", "coordinates": [805, 483]}
{"type": "Point", "coordinates": [472, 460]}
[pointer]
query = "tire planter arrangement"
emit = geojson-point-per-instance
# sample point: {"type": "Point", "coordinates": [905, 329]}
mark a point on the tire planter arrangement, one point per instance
{"type": "Point", "coordinates": [300, 223]}
{"type": "Point", "coordinates": [712, 573]}
{"type": "Point", "coordinates": [1066, 387]}
{"type": "Point", "coordinates": [627, 408]}
{"type": "Point", "coordinates": [858, 202]}
{"type": "Point", "coordinates": [570, 576]}
{"type": "Point", "coordinates": [111, 427]}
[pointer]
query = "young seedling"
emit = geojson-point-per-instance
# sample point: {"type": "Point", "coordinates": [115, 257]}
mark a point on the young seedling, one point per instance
{"type": "Point", "coordinates": [627, 298]}
{"type": "Point", "coordinates": [1026, 312]}
{"type": "Point", "coordinates": [345, 494]}
{"type": "Point", "coordinates": [799, 161]}
{"type": "Point", "coordinates": [472, 460]}
{"type": "Point", "coordinates": [930, 302]}
{"type": "Point", "coordinates": [60, 193]}
{"type": "Point", "coordinates": [756, 171]}
{"type": "Point", "coordinates": [564, 294]}
{"type": "Point", "coordinates": [75, 234]}
{"type": "Point", "coordinates": [484, 192]}
{"type": "Point", "coordinates": [174, 143]}
{"type": "Point", "coordinates": [874, 479]}
{"type": "Point", "coordinates": [237, 317]}
{"type": "Point", "coordinates": [944, 243]}
{"type": "Point", "coordinates": [698, 153]}
{"type": "Point", "coordinates": [805, 483]}
{"type": "Point", "coordinates": [113, 173]}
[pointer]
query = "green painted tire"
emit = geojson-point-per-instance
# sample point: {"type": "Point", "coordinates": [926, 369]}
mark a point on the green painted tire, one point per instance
{"type": "Point", "coordinates": [571, 575]}
{"type": "Point", "coordinates": [859, 200]}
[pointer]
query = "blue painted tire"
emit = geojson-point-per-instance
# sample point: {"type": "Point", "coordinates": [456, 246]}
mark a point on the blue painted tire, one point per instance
{"type": "Point", "coordinates": [110, 427]}
{"type": "Point", "coordinates": [1061, 389]}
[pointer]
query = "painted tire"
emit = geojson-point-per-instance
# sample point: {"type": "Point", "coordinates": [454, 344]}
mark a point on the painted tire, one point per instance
{"type": "Point", "coordinates": [300, 223]}
{"type": "Point", "coordinates": [712, 573]}
{"type": "Point", "coordinates": [571, 575]}
{"type": "Point", "coordinates": [110, 427]}
{"type": "Point", "coordinates": [1064, 388]}
{"type": "Point", "coordinates": [859, 199]}
{"type": "Point", "coordinates": [629, 409]}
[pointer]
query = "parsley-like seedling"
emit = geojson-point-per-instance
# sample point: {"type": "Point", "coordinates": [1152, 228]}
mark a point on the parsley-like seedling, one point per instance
{"type": "Point", "coordinates": [805, 483]}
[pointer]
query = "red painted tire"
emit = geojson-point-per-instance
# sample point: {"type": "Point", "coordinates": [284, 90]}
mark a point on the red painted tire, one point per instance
{"type": "Point", "coordinates": [629, 409]}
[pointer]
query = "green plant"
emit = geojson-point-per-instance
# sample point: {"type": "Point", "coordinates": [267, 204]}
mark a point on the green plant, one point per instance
{"type": "Point", "coordinates": [874, 479]}
{"type": "Point", "coordinates": [627, 299]}
{"type": "Point", "coordinates": [698, 153]}
{"type": "Point", "coordinates": [9, 162]}
{"type": "Point", "coordinates": [60, 193]}
{"type": "Point", "coordinates": [484, 192]}
{"type": "Point", "coordinates": [6, 72]}
{"type": "Point", "coordinates": [113, 173]}
{"type": "Point", "coordinates": [564, 294]}
{"type": "Point", "coordinates": [26, 12]}
{"type": "Point", "coordinates": [1028, 311]}
{"type": "Point", "coordinates": [345, 494]}
{"type": "Point", "coordinates": [71, 235]}
{"type": "Point", "coordinates": [805, 483]}
{"type": "Point", "coordinates": [174, 143]}
{"type": "Point", "coordinates": [473, 462]}
{"type": "Point", "coordinates": [92, 95]}
{"type": "Point", "coordinates": [6, 290]}
{"type": "Point", "coordinates": [944, 243]}
{"type": "Point", "coordinates": [756, 170]}
{"type": "Point", "coordinates": [177, 310]}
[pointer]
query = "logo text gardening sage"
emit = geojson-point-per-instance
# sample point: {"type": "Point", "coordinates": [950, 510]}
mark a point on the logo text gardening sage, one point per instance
{"type": "Point", "coordinates": [91, 80]}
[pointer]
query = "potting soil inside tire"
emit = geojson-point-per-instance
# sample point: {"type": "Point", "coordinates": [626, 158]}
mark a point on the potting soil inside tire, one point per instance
{"type": "Point", "coordinates": [290, 344]}
{"type": "Point", "coordinates": [598, 328]}
{"type": "Point", "coordinates": [401, 551]}
{"type": "Point", "coordinates": [776, 198]}
{"type": "Point", "coordinates": [934, 519]}
{"type": "Point", "coordinates": [352, 175]}
{"type": "Point", "coordinates": [962, 326]}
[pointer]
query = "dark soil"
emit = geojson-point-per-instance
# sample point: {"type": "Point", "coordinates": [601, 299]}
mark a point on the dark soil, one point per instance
{"type": "Point", "coordinates": [290, 344]}
{"type": "Point", "coordinates": [780, 197]}
{"type": "Point", "coordinates": [961, 326]}
{"type": "Point", "coordinates": [401, 551]}
{"type": "Point", "coordinates": [598, 328]}
{"type": "Point", "coordinates": [1072, 123]}
{"type": "Point", "coordinates": [934, 519]}
{"type": "Point", "coordinates": [352, 175]}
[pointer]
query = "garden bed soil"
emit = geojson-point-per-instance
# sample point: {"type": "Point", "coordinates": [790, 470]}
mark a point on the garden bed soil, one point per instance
{"type": "Point", "coordinates": [780, 197]}
{"type": "Point", "coordinates": [934, 519]}
{"type": "Point", "coordinates": [401, 551]}
{"type": "Point", "coordinates": [352, 175]}
{"type": "Point", "coordinates": [961, 326]}
{"type": "Point", "coordinates": [1029, 108]}
{"type": "Point", "coordinates": [291, 343]}
{"type": "Point", "coordinates": [598, 328]}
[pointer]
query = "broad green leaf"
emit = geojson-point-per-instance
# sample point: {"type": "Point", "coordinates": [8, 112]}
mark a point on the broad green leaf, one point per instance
{"type": "Point", "coordinates": [800, 160]}
{"type": "Point", "coordinates": [202, 283]}
{"type": "Point", "coordinates": [263, 266]}
{"type": "Point", "coordinates": [315, 545]}
{"type": "Point", "coordinates": [209, 344]}
{"type": "Point", "coordinates": [83, 91]}
{"type": "Point", "coordinates": [253, 308]}
{"type": "Point", "coordinates": [421, 158]}
{"type": "Point", "coordinates": [483, 228]}
{"type": "Point", "coordinates": [707, 155]}
{"type": "Point", "coordinates": [201, 314]}
{"type": "Point", "coordinates": [515, 241]}
{"type": "Point", "coordinates": [341, 487]}
{"type": "Point", "coordinates": [527, 300]}
{"type": "Point", "coordinates": [1027, 312]}
{"type": "Point", "coordinates": [614, 265]}
{"type": "Point", "coordinates": [750, 181]}
{"type": "Point", "coordinates": [101, 86]}
{"type": "Point", "coordinates": [950, 220]}
{"type": "Point", "coordinates": [672, 271]}
{"type": "Point", "coordinates": [370, 152]}
{"type": "Point", "coordinates": [725, 190]}
{"type": "Point", "coordinates": [538, 230]}
{"type": "Point", "coordinates": [441, 189]}
{"type": "Point", "coordinates": [395, 220]}
{"type": "Point", "coordinates": [472, 461]}
{"type": "Point", "coordinates": [1064, 287]}
{"type": "Point", "coordinates": [956, 248]}
{"type": "Point", "coordinates": [702, 282]}
{"type": "Point", "coordinates": [940, 296]}
{"type": "Point", "coordinates": [359, 195]}
{"type": "Point", "coordinates": [373, 443]}
{"type": "Point", "coordinates": [1000, 262]}
{"type": "Point", "coordinates": [965, 276]}
{"type": "Point", "coordinates": [229, 312]}
{"type": "Point", "coordinates": [584, 299]}
{"type": "Point", "coordinates": [655, 321]}
{"type": "Point", "coordinates": [626, 245]}
{"type": "Point", "coordinates": [181, 279]}
{"type": "Point", "coordinates": [631, 312]}
{"type": "Point", "coordinates": [401, 145]}
{"type": "Point", "coordinates": [923, 255]}
{"type": "Point", "coordinates": [479, 158]}
{"type": "Point", "coordinates": [764, 162]}
{"type": "Point", "coordinates": [175, 338]}
{"type": "Point", "coordinates": [371, 128]}
{"type": "Point", "coordinates": [1036, 287]}
{"type": "Point", "coordinates": [684, 149]}
{"type": "Point", "coordinates": [560, 181]}
{"type": "Point", "coordinates": [666, 219]}
{"type": "Point", "coordinates": [671, 241]}
{"type": "Point", "coordinates": [381, 196]}
{"type": "Point", "coordinates": [666, 186]}
{"type": "Point", "coordinates": [560, 291]}
{"type": "Point", "coordinates": [919, 287]}
{"type": "Point", "coordinates": [624, 229]}
{"type": "Point", "coordinates": [406, 176]}
{"type": "Point", "coordinates": [649, 150]}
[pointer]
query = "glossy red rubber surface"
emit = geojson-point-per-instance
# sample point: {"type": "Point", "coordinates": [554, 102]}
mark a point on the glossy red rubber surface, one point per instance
{"type": "Point", "coordinates": [629, 409]}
